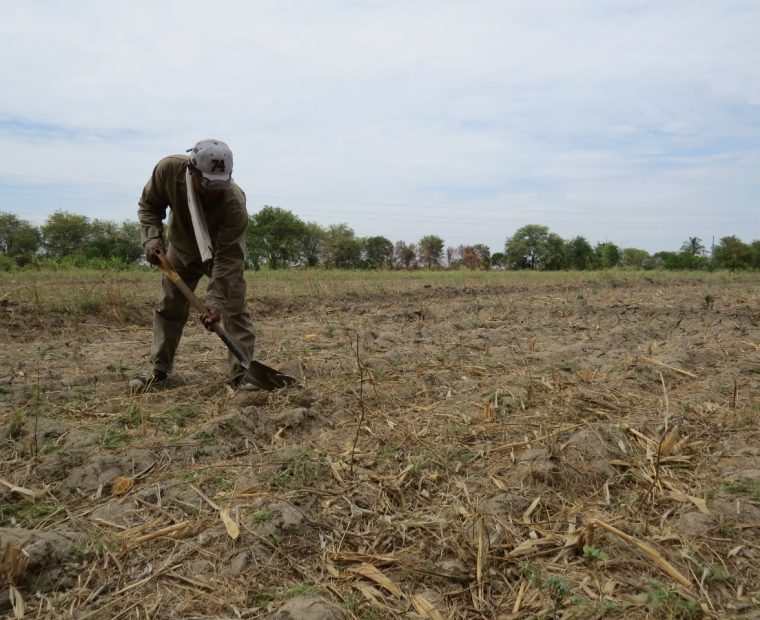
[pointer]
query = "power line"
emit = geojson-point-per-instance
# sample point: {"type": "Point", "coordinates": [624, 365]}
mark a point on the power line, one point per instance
{"type": "Point", "coordinates": [371, 203]}
{"type": "Point", "coordinates": [488, 216]}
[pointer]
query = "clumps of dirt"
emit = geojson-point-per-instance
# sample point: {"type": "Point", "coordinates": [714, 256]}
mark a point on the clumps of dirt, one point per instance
{"type": "Point", "coordinates": [47, 559]}
{"type": "Point", "coordinates": [266, 528]}
{"type": "Point", "coordinates": [591, 452]}
{"type": "Point", "coordinates": [304, 607]}
{"type": "Point", "coordinates": [505, 503]}
{"type": "Point", "coordinates": [100, 470]}
{"type": "Point", "coordinates": [294, 420]}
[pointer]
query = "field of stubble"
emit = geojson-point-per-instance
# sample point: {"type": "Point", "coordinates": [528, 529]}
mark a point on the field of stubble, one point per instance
{"type": "Point", "coordinates": [462, 445]}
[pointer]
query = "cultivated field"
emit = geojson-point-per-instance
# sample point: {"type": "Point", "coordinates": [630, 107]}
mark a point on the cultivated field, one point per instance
{"type": "Point", "coordinates": [464, 445]}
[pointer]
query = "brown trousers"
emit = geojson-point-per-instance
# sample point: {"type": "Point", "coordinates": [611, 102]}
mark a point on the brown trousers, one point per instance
{"type": "Point", "coordinates": [173, 310]}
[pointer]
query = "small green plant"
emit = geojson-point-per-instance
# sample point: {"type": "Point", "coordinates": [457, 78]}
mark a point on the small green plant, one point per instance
{"type": "Point", "coordinates": [361, 608]}
{"type": "Point", "coordinates": [113, 438]}
{"type": "Point", "coordinates": [302, 471]}
{"type": "Point", "coordinates": [303, 589]}
{"type": "Point", "coordinates": [132, 416]}
{"type": "Point", "coordinates": [532, 572]}
{"type": "Point", "coordinates": [90, 547]}
{"type": "Point", "coordinates": [464, 457]}
{"type": "Point", "coordinates": [669, 604]}
{"type": "Point", "coordinates": [191, 476]}
{"type": "Point", "coordinates": [259, 599]}
{"type": "Point", "coordinates": [260, 516]}
{"type": "Point", "coordinates": [181, 416]}
{"type": "Point", "coordinates": [592, 553]}
{"type": "Point", "coordinates": [204, 438]}
{"type": "Point", "coordinates": [746, 487]}
{"type": "Point", "coordinates": [557, 587]}
{"type": "Point", "coordinates": [24, 513]}
{"type": "Point", "coordinates": [222, 484]}
{"type": "Point", "coordinates": [16, 427]}
{"type": "Point", "coordinates": [716, 574]}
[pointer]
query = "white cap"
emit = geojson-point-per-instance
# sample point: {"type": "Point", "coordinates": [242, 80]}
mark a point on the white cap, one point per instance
{"type": "Point", "coordinates": [213, 159]}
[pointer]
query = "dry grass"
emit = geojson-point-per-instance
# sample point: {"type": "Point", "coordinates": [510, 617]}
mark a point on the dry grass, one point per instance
{"type": "Point", "coordinates": [464, 446]}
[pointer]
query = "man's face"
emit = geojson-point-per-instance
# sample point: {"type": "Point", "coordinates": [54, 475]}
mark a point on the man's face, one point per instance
{"type": "Point", "coordinates": [203, 191]}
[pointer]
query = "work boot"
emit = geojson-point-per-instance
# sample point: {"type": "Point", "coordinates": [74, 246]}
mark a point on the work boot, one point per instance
{"type": "Point", "coordinates": [149, 380]}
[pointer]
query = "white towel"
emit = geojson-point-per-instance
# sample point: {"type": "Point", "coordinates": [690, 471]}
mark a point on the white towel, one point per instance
{"type": "Point", "coordinates": [199, 222]}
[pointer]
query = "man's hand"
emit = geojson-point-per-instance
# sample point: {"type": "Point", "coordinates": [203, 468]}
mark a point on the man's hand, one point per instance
{"type": "Point", "coordinates": [150, 253]}
{"type": "Point", "coordinates": [210, 318]}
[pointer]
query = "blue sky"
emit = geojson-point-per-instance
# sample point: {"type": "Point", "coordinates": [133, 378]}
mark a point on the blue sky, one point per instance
{"type": "Point", "coordinates": [631, 121]}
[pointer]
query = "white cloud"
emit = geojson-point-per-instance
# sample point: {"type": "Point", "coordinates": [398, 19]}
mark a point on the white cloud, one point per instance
{"type": "Point", "coordinates": [571, 110]}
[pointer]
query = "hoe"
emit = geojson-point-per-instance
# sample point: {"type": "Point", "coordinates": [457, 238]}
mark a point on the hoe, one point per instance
{"type": "Point", "coordinates": [260, 375]}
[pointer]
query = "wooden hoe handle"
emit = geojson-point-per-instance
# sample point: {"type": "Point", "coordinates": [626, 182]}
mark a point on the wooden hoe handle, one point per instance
{"type": "Point", "coordinates": [168, 269]}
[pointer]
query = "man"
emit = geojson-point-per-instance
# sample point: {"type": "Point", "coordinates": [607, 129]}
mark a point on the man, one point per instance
{"type": "Point", "coordinates": [206, 236]}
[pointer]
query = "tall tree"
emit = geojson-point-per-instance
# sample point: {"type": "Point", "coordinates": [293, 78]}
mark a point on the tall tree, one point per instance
{"type": "Point", "coordinates": [693, 247]}
{"type": "Point", "coordinates": [483, 253]}
{"type": "Point", "coordinates": [341, 248]}
{"type": "Point", "coordinates": [607, 255]}
{"type": "Point", "coordinates": [579, 254]}
{"type": "Point", "coordinates": [476, 256]}
{"type": "Point", "coordinates": [452, 256]}
{"type": "Point", "coordinates": [311, 244]}
{"type": "Point", "coordinates": [110, 240]}
{"type": "Point", "coordinates": [468, 257]}
{"type": "Point", "coordinates": [378, 252]}
{"type": "Point", "coordinates": [633, 258]}
{"type": "Point", "coordinates": [430, 250]}
{"type": "Point", "coordinates": [754, 248]}
{"type": "Point", "coordinates": [527, 248]}
{"type": "Point", "coordinates": [498, 260]}
{"type": "Point", "coordinates": [732, 253]}
{"type": "Point", "coordinates": [19, 239]}
{"type": "Point", "coordinates": [554, 257]}
{"type": "Point", "coordinates": [404, 254]}
{"type": "Point", "coordinates": [65, 234]}
{"type": "Point", "coordinates": [275, 236]}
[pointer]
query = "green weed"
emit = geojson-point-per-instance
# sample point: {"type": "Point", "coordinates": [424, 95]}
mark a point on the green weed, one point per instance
{"type": "Point", "coordinates": [24, 513]}
{"type": "Point", "coordinates": [302, 471]}
{"type": "Point", "coordinates": [204, 438]}
{"type": "Point", "coordinates": [91, 547]}
{"type": "Point", "coordinates": [260, 599]}
{"type": "Point", "coordinates": [132, 416]}
{"type": "Point", "coordinates": [222, 484]}
{"type": "Point", "coordinates": [592, 553]}
{"type": "Point", "coordinates": [260, 516]}
{"type": "Point", "coordinates": [113, 438]}
{"type": "Point", "coordinates": [181, 416]}
{"type": "Point", "coordinates": [669, 604]}
{"type": "Point", "coordinates": [361, 609]}
{"type": "Point", "coordinates": [303, 589]}
{"type": "Point", "coordinates": [746, 487]}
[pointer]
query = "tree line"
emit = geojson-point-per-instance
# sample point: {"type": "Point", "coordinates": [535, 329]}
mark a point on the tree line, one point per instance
{"type": "Point", "coordinates": [279, 239]}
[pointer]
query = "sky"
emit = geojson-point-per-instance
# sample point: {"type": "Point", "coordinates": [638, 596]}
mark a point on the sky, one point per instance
{"type": "Point", "coordinates": [635, 122]}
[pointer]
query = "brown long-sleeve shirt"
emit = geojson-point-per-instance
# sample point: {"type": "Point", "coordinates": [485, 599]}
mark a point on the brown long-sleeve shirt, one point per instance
{"type": "Point", "coordinates": [226, 219]}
